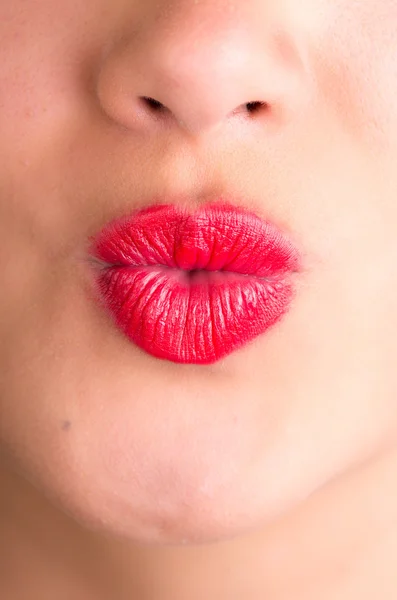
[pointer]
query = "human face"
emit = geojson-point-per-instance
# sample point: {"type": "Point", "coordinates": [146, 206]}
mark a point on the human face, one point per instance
{"type": "Point", "coordinates": [149, 448]}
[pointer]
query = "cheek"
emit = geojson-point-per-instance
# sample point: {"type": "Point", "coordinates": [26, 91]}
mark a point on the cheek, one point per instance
{"type": "Point", "coordinates": [47, 53]}
{"type": "Point", "coordinates": [357, 70]}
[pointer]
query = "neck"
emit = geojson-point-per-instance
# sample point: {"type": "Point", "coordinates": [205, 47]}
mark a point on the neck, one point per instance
{"type": "Point", "coordinates": [339, 542]}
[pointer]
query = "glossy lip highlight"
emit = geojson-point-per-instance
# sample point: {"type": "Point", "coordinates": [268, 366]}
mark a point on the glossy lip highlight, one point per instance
{"type": "Point", "coordinates": [192, 287]}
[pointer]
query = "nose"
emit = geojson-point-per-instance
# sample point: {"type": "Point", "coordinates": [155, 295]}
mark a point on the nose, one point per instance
{"type": "Point", "coordinates": [198, 64]}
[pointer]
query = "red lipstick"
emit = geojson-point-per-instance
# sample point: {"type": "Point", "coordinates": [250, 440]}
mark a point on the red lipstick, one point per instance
{"type": "Point", "coordinates": [192, 287]}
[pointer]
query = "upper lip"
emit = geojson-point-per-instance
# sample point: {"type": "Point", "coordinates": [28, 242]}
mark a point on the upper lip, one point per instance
{"type": "Point", "coordinates": [216, 237]}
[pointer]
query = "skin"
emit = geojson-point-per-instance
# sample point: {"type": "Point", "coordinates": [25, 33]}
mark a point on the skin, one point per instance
{"type": "Point", "coordinates": [270, 474]}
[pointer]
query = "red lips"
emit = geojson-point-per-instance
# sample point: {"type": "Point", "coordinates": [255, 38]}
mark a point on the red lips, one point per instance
{"type": "Point", "coordinates": [194, 287]}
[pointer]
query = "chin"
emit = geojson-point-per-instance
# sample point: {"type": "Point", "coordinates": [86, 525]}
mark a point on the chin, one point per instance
{"type": "Point", "coordinates": [171, 494]}
{"type": "Point", "coordinates": [168, 464]}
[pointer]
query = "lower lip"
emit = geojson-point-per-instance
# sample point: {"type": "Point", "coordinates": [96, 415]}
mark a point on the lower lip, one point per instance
{"type": "Point", "coordinates": [197, 308]}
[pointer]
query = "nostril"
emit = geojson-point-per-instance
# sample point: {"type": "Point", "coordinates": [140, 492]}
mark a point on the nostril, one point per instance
{"type": "Point", "coordinates": [251, 108]}
{"type": "Point", "coordinates": [254, 107]}
{"type": "Point", "coordinates": [153, 104]}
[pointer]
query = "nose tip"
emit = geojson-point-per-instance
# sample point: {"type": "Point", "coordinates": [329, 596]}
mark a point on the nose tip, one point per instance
{"type": "Point", "coordinates": [194, 71]}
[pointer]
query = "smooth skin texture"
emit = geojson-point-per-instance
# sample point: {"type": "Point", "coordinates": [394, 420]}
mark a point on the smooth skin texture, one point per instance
{"type": "Point", "coordinates": [271, 474]}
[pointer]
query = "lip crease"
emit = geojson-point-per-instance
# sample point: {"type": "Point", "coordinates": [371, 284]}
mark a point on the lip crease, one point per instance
{"type": "Point", "coordinates": [193, 287]}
